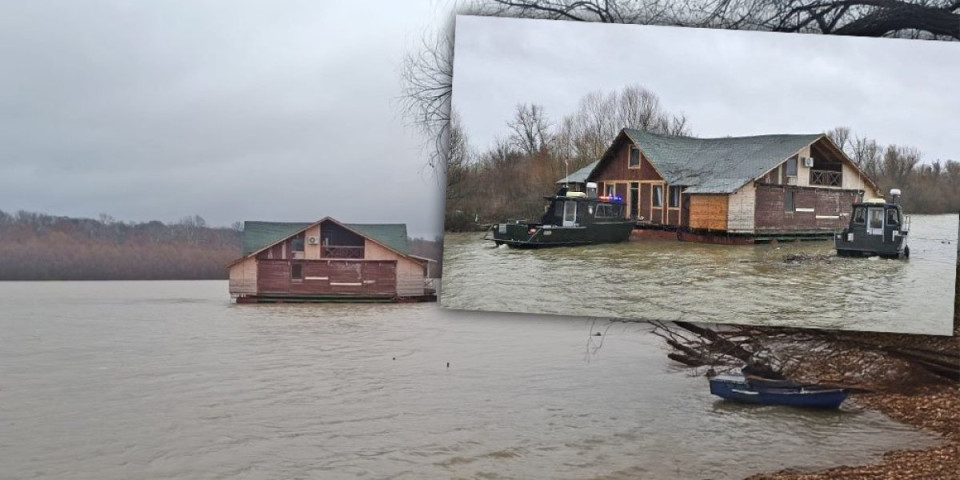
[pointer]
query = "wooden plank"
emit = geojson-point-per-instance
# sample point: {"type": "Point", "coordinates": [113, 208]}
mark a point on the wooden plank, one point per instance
{"type": "Point", "coordinates": [708, 212]}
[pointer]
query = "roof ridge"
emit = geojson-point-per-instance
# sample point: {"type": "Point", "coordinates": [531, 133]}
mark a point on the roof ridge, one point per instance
{"type": "Point", "coordinates": [690, 137]}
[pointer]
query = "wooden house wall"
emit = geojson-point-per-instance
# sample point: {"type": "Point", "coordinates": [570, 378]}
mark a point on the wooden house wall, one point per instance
{"type": "Point", "coordinates": [615, 170]}
{"type": "Point", "coordinates": [328, 277]}
{"type": "Point", "coordinates": [854, 180]}
{"type": "Point", "coordinates": [646, 192]}
{"type": "Point", "coordinates": [410, 273]}
{"type": "Point", "coordinates": [816, 209]}
{"type": "Point", "coordinates": [312, 252]}
{"type": "Point", "coordinates": [673, 215]}
{"type": "Point", "coordinates": [740, 209]}
{"type": "Point", "coordinates": [243, 277]}
{"type": "Point", "coordinates": [618, 168]}
{"type": "Point", "coordinates": [708, 212]}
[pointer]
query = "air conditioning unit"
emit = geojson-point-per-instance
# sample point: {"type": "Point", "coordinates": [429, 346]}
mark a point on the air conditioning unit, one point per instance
{"type": "Point", "coordinates": [312, 240]}
{"type": "Point", "coordinates": [807, 161]}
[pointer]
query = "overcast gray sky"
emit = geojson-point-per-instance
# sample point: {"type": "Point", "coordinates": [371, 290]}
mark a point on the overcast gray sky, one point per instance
{"type": "Point", "coordinates": [232, 110]}
{"type": "Point", "coordinates": [726, 82]}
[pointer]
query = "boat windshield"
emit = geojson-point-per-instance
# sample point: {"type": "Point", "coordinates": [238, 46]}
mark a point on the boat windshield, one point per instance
{"type": "Point", "coordinates": [860, 215]}
{"type": "Point", "coordinates": [893, 217]}
{"type": "Point", "coordinates": [608, 210]}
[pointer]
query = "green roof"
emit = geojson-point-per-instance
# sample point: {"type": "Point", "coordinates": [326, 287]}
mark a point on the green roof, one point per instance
{"type": "Point", "coordinates": [257, 235]}
{"type": "Point", "coordinates": [716, 165]}
{"type": "Point", "coordinates": [393, 235]}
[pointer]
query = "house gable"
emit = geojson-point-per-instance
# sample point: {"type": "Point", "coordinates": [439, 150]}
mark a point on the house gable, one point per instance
{"type": "Point", "coordinates": [262, 237]}
{"type": "Point", "coordinates": [615, 164]}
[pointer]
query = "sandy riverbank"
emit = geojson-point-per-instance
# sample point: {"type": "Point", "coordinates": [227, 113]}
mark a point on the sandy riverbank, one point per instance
{"type": "Point", "coordinates": [903, 393]}
{"type": "Point", "coordinates": [935, 408]}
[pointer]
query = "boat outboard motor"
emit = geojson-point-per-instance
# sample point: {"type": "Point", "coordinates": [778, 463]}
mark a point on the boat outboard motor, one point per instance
{"type": "Point", "coordinates": [895, 196]}
{"type": "Point", "coordinates": [591, 190]}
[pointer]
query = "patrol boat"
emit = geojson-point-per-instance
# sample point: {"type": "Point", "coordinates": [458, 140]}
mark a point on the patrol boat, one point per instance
{"type": "Point", "coordinates": [877, 228]}
{"type": "Point", "coordinates": [571, 218]}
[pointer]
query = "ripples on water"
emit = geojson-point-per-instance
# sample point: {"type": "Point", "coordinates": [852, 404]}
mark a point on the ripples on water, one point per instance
{"type": "Point", "coordinates": [749, 284]}
{"type": "Point", "coordinates": [167, 380]}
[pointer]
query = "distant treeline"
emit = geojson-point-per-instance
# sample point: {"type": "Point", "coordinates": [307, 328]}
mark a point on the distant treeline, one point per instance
{"type": "Point", "coordinates": [928, 187]}
{"type": "Point", "coordinates": [36, 246]}
{"type": "Point", "coordinates": [508, 180]}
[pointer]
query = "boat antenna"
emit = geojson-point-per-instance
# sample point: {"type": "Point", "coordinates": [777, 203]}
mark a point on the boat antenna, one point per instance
{"type": "Point", "coordinates": [566, 172]}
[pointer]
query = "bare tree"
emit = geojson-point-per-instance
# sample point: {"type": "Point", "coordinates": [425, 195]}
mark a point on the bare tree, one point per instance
{"type": "Point", "coordinates": [427, 73]}
{"type": "Point", "coordinates": [458, 160]}
{"type": "Point", "coordinates": [531, 129]}
{"type": "Point", "coordinates": [427, 78]}
{"type": "Point", "coordinates": [841, 137]}
{"type": "Point", "coordinates": [898, 163]}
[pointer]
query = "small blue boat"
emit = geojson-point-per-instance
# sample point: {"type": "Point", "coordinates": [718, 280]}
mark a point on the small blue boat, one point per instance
{"type": "Point", "coordinates": [766, 392]}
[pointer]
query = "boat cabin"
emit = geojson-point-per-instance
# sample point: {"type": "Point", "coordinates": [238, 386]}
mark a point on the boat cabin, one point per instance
{"type": "Point", "coordinates": [572, 209]}
{"type": "Point", "coordinates": [877, 228]}
{"type": "Point", "coordinates": [571, 218]}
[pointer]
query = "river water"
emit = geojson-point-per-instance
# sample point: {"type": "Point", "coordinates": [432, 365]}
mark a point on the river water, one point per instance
{"type": "Point", "coordinates": [745, 284]}
{"type": "Point", "coordinates": [168, 380]}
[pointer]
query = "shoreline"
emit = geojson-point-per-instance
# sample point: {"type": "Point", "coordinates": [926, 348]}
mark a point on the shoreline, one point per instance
{"type": "Point", "coordinates": [934, 408]}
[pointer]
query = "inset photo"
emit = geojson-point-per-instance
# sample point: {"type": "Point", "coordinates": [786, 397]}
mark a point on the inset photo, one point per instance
{"type": "Point", "coordinates": [714, 176]}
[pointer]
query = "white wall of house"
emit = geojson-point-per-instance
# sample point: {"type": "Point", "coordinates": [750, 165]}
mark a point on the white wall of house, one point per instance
{"type": "Point", "coordinates": [740, 209]}
{"type": "Point", "coordinates": [803, 173]}
{"type": "Point", "coordinates": [311, 252]}
{"type": "Point", "coordinates": [854, 180]}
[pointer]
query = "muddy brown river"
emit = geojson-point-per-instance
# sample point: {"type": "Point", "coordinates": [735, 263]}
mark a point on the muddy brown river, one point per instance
{"type": "Point", "coordinates": [168, 380]}
{"type": "Point", "coordinates": [747, 284]}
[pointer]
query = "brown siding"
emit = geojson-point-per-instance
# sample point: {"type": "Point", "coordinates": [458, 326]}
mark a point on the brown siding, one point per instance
{"type": "Point", "coordinates": [673, 216]}
{"type": "Point", "coordinates": [708, 212]}
{"type": "Point", "coordinates": [645, 192]}
{"type": "Point", "coordinates": [622, 190]}
{"type": "Point", "coordinates": [368, 277]}
{"type": "Point", "coordinates": [771, 216]}
{"type": "Point", "coordinates": [616, 167]}
{"type": "Point", "coordinates": [685, 210]}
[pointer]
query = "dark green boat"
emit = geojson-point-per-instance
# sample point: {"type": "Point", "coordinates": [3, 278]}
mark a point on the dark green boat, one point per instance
{"type": "Point", "coordinates": [877, 228]}
{"type": "Point", "coordinates": [572, 218]}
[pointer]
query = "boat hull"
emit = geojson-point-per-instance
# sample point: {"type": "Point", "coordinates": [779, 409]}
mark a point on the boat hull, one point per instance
{"type": "Point", "coordinates": [531, 235]}
{"type": "Point", "coordinates": [856, 244]}
{"type": "Point", "coordinates": [739, 390]}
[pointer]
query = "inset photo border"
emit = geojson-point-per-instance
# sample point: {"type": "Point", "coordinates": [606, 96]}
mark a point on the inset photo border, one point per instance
{"type": "Point", "coordinates": [715, 176]}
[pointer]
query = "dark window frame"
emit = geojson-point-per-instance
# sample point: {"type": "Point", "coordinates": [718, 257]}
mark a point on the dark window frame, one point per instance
{"type": "Point", "coordinates": [674, 200]}
{"type": "Point", "coordinates": [630, 161]}
{"type": "Point", "coordinates": [657, 195]}
{"type": "Point", "coordinates": [790, 201]}
{"type": "Point", "coordinates": [860, 219]}
{"type": "Point", "coordinates": [296, 271]}
{"type": "Point", "coordinates": [791, 162]}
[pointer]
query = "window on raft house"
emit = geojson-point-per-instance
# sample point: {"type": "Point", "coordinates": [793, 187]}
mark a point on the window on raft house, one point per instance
{"type": "Point", "coordinates": [611, 190]}
{"type": "Point", "coordinates": [296, 272]}
{"type": "Point", "coordinates": [658, 195]}
{"type": "Point", "coordinates": [789, 201]}
{"type": "Point", "coordinates": [792, 167]}
{"type": "Point", "coordinates": [674, 197]}
{"type": "Point", "coordinates": [297, 244]}
{"type": "Point", "coordinates": [634, 157]}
